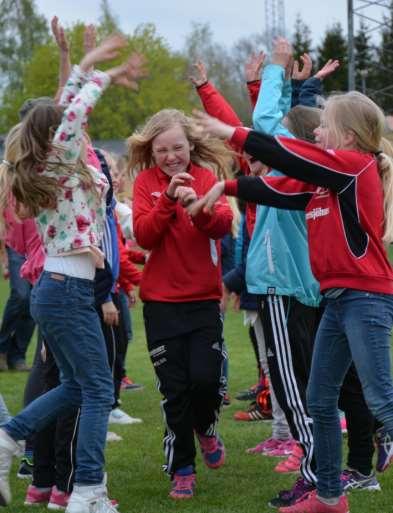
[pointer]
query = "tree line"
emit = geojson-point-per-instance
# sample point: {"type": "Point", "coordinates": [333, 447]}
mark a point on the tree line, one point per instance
{"type": "Point", "coordinates": [29, 65]}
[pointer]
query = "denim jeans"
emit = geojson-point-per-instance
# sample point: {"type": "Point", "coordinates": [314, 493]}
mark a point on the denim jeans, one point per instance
{"type": "Point", "coordinates": [4, 413]}
{"type": "Point", "coordinates": [64, 309]}
{"type": "Point", "coordinates": [355, 326]}
{"type": "Point", "coordinates": [17, 326]}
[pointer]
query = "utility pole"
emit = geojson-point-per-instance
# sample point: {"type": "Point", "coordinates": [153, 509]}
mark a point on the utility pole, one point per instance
{"type": "Point", "coordinates": [274, 20]}
{"type": "Point", "coordinates": [351, 48]}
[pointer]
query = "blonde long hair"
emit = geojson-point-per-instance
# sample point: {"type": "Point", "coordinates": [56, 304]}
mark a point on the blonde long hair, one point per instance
{"type": "Point", "coordinates": [208, 152]}
{"type": "Point", "coordinates": [354, 112]}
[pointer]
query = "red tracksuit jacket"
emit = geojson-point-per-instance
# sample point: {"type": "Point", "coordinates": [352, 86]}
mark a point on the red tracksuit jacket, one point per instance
{"type": "Point", "coordinates": [341, 192]}
{"type": "Point", "coordinates": [184, 261]}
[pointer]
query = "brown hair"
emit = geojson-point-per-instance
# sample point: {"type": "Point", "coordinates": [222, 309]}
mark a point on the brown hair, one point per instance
{"type": "Point", "coordinates": [32, 189]}
{"type": "Point", "coordinates": [302, 121]}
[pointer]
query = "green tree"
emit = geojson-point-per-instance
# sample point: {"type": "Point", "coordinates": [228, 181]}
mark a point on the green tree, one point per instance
{"type": "Point", "coordinates": [383, 90]}
{"type": "Point", "coordinates": [22, 31]}
{"type": "Point", "coordinates": [301, 39]}
{"type": "Point", "coordinates": [108, 20]}
{"type": "Point", "coordinates": [120, 111]}
{"type": "Point", "coordinates": [364, 59]}
{"type": "Point", "coordinates": [334, 46]}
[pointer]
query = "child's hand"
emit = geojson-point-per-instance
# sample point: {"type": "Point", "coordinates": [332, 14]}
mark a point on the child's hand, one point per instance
{"type": "Point", "coordinates": [200, 74]}
{"type": "Point", "coordinates": [282, 52]}
{"type": "Point", "coordinates": [106, 51]}
{"type": "Point", "coordinates": [212, 126]}
{"type": "Point", "coordinates": [186, 195]}
{"type": "Point", "coordinates": [329, 68]}
{"type": "Point", "coordinates": [206, 203]}
{"type": "Point", "coordinates": [305, 72]}
{"type": "Point", "coordinates": [131, 299]}
{"type": "Point", "coordinates": [252, 68]}
{"type": "Point", "coordinates": [59, 35]}
{"type": "Point", "coordinates": [89, 38]}
{"type": "Point", "coordinates": [110, 313]}
{"type": "Point", "coordinates": [176, 181]}
{"type": "Point", "coordinates": [128, 74]}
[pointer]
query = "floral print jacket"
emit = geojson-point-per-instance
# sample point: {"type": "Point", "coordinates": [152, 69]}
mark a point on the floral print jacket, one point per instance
{"type": "Point", "coordinates": [77, 222]}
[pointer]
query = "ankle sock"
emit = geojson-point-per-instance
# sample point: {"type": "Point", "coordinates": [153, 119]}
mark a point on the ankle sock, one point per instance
{"type": "Point", "coordinates": [331, 501]}
{"type": "Point", "coordinates": [185, 471]}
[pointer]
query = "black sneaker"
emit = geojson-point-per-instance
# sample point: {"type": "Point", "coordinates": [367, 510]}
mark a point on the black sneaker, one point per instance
{"type": "Point", "coordinates": [25, 470]}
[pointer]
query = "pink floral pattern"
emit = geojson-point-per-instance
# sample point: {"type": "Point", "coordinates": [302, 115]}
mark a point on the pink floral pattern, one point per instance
{"type": "Point", "coordinates": [78, 220]}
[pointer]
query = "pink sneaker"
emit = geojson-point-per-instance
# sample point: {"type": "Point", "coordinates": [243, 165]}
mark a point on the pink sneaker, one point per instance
{"type": "Point", "coordinates": [311, 504]}
{"type": "Point", "coordinates": [35, 496]}
{"type": "Point", "coordinates": [183, 485]}
{"type": "Point", "coordinates": [213, 450]}
{"type": "Point", "coordinates": [284, 449]}
{"type": "Point", "coordinates": [292, 464]}
{"type": "Point", "coordinates": [266, 446]}
{"type": "Point", "coordinates": [343, 424]}
{"type": "Point", "coordinates": [58, 499]}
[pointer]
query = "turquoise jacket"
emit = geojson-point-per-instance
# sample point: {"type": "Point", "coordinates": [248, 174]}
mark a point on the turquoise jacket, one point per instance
{"type": "Point", "coordinates": [278, 259]}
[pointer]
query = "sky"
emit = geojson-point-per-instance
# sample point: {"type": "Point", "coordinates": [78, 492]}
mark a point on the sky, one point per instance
{"type": "Point", "coordinates": [229, 19]}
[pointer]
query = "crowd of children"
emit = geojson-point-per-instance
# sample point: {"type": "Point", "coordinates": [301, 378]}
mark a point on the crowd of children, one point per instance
{"type": "Point", "coordinates": [310, 175]}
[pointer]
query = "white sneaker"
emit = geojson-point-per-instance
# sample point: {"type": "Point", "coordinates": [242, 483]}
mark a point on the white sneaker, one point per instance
{"type": "Point", "coordinates": [118, 416]}
{"type": "Point", "coordinates": [90, 499]}
{"type": "Point", "coordinates": [113, 437]}
{"type": "Point", "coordinates": [8, 449]}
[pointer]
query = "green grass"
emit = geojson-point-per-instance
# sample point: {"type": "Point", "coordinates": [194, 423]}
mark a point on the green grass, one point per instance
{"type": "Point", "coordinates": [244, 484]}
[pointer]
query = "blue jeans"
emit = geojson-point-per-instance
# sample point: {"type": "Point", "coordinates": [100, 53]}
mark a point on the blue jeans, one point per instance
{"type": "Point", "coordinates": [355, 326]}
{"type": "Point", "coordinates": [64, 309]}
{"type": "Point", "coordinates": [17, 326]}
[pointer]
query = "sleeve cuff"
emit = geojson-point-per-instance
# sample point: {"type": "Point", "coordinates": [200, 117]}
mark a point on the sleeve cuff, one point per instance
{"type": "Point", "coordinates": [239, 137]}
{"type": "Point", "coordinates": [230, 188]}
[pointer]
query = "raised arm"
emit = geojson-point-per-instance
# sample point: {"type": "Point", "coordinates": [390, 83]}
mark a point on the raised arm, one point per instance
{"type": "Point", "coordinates": [64, 55]}
{"type": "Point", "coordinates": [252, 72]}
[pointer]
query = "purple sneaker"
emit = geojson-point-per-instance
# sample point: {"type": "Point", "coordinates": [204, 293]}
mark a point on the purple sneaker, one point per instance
{"type": "Point", "coordinates": [384, 449]}
{"type": "Point", "coordinates": [213, 450]}
{"type": "Point", "coordinates": [288, 497]}
{"type": "Point", "coordinates": [183, 483]}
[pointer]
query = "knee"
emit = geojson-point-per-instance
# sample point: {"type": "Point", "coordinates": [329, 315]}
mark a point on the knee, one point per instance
{"type": "Point", "coordinates": [320, 404]}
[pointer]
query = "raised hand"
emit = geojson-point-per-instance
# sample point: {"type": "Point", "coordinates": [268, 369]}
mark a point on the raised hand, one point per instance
{"type": "Point", "coordinates": [128, 74]}
{"type": "Point", "coordinates": [59, 35]}
{"type": "Point", "coordinates": [199, 75]}
{"type": "Point", "coordinates": [207, 202]}
{"type": "Point", "coordinates": [305, 72]}
{"type": "Point", "coordinates": [106, 51]}
{"type": "Point", "coordinates": [327, 69]}
{"type": "Point", "coordinates": [282, 52]}
{"type": "Point", "coordinates": [212, 126]}
{"type": "Point", "coordinates": [252, 68]}
{"type": "Point", "coordinates": [89, 38]}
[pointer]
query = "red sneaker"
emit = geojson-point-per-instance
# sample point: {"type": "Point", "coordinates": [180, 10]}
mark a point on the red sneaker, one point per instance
{"type": "Point", "coordinates": [213, 450]}
{"type": "Point", "coordinates": [58, 499]}
{"type": "Point", "coordinates": [291, 464]}
{"type": "Point", "coordinates": [36, 496]}
{"type": "Point", "coordinates": [311, 504]}
{"type": "Point", "coordinates": [183, 485]}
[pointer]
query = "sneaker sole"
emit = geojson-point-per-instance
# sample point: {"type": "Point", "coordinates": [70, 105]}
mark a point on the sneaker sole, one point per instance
{"type": "Point", "coordinates": [56, 507]}
{"type": "Point", "coordinates": [373, 488]}
{"type": "Point", "coordinates": [24, 476]}
{"type": "Point", "coordinates": [35, 504]}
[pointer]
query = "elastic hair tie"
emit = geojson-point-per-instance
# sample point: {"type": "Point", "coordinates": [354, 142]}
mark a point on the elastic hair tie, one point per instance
{"type": "Point", "coordinates": [7, 163]}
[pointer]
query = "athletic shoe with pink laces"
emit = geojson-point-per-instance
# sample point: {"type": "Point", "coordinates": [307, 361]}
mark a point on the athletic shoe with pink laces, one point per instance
{"type": "Point", "coordinates": [284, 449]}
{"type": "Point", "coordinates": [213, 450]}
{"type": "Point", "coordinates": [291, 464]}
{"type": "Point", "coordinates": [58, 499]}
{"type": "Point", "coordinates": [311, 504]}
{"type": "Point", "coordinates": [266, 446]}
{"type": "Point", "coordinates": [36, 496]}
{"type": "Point", "coordinates": [183, 484]}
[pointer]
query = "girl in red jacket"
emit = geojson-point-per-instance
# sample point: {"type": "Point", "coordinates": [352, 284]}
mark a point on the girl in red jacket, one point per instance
{"type": "Point", "coordinates": [345, 185]}
{"type": "Point", "coordinates": [181, 284]}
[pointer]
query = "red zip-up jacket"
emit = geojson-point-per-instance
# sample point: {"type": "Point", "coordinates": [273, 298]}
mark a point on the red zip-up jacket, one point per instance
{"type": "Point", "coordinates": [216, 105]}
{"type": "Point", "coordinates": [342, 194]}
{"type": "Point", "coordinates": [184, 262]}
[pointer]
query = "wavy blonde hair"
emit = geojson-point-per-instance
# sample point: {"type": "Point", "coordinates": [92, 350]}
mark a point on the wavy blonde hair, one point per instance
{"type": "Point", "coordinates": [207, 152]}
{"type": "Point", "coordinates": [355, 113]}
{"type": "Point", "coordinates": [32, 189]}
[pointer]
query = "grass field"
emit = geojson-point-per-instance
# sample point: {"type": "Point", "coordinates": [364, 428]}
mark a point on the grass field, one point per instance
{"type": "Point", "coordinates": [244, 484]}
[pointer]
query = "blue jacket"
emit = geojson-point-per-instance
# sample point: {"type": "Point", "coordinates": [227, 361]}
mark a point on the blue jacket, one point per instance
{"type": "Point", "coordinates": [278, 259]}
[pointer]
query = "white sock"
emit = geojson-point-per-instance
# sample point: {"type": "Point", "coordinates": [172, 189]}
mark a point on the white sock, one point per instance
{"type": "Point", "coordinates": [332, 501]}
